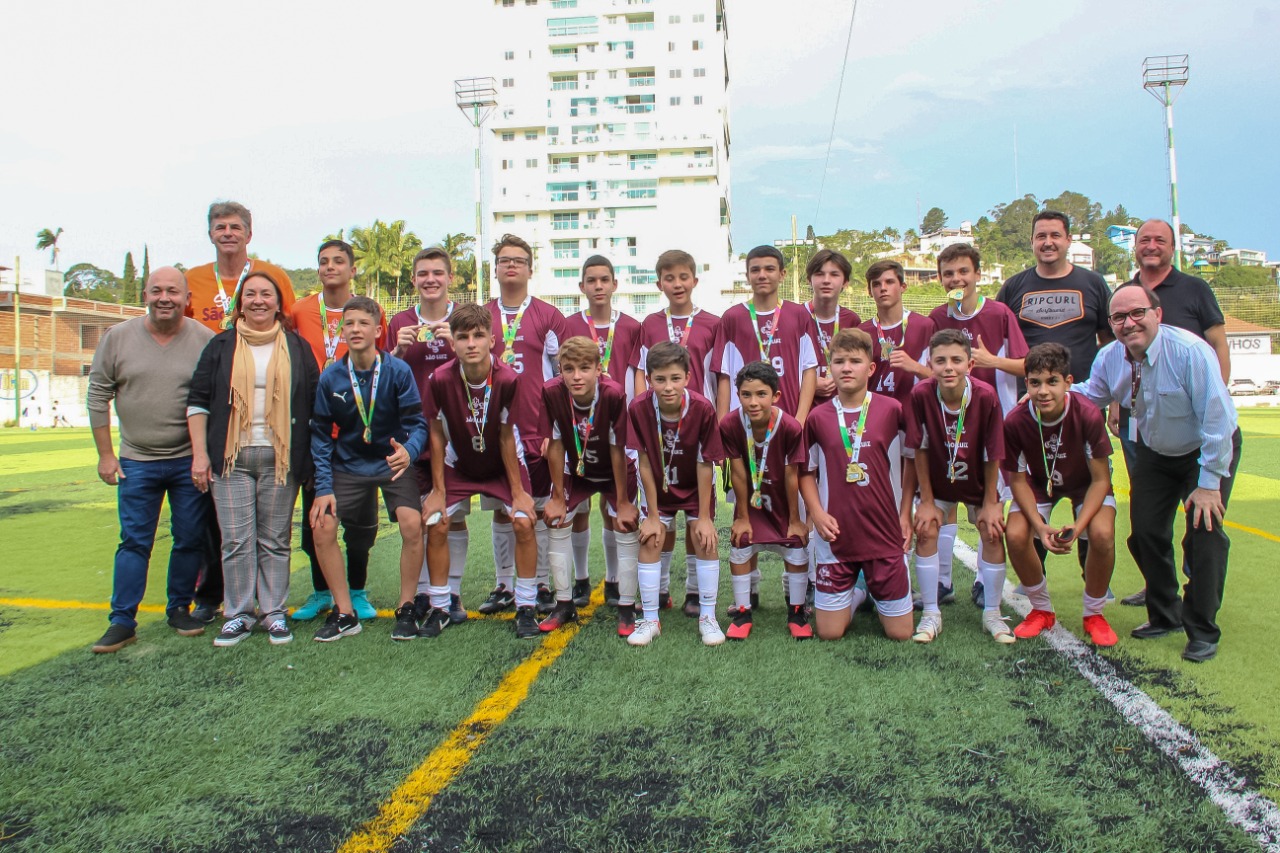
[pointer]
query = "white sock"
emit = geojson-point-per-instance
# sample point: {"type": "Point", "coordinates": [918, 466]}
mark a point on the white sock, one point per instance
{"type": "Point", "coordinates": [543, 572]}
{"type": "Point", "coordinates": [1038, 595]}
{"type": "Point", "coordinates": [610, 542]}
{"type": "Point", "coordinates": [424, 576]}
{"type": "Point", "coordinates": [946, 548]}
{"type": "Point", "coordinates": [628, 551]}
{"type": "Point", "coordinates": [647, 577]}
{"type": "Point", "coordinates": [708, 572]}
{"type": "Point", "coordinates": [459, 540]}
{"type": "Point", "coordinates": [859, 596]}
{"type": "Point", "coordinates": [664, 571]}
{"type": "Point", "coordinates": [581, 541]}
{"type": "Point", "coordinates": [927, 580]}
{"type": "Point", "coordinates": [797, 587]}
{"type": "Point", "coordinates": [439, 596]}
{"type": "Point", "coordinates": [755, 580]}
{"type": "Point", "coordinates": [559, 555]}
{"type": "Point", "coordinates": [690, 573]}
{"type": "Point", "coordinates": [504, 549]}
{"type": "Point", "coordinates": [741, 591]}
{"type": "Point", "coordinates": [992, 575]}
{"type": "Point", "coordinates": [526, 592]}
{"type": "Point", "coordinates": [812, 550]}
{"type": "Point", "coordinates": [1093, 606]}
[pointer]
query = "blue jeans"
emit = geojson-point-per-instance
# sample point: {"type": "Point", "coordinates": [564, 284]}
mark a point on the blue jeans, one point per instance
{"type": "Point", "coordinates": [140, 493]}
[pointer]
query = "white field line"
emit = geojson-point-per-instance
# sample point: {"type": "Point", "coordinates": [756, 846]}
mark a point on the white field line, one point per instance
{"type": "Point", "coordinates": [1243, 806]}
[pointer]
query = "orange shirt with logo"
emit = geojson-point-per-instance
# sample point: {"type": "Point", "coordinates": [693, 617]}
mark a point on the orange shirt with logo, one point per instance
{"type": "Point", "coordinates": [204, 307]}
{"type": "Point", "coordinates": [306, 322]}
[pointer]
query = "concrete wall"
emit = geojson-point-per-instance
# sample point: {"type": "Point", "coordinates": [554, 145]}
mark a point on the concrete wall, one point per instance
{"type": "Point", "coordinates": [39, 390]}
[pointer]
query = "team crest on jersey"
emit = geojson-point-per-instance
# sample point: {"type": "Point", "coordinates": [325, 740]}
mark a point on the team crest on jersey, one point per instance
{"type": "Point", "coordinates": [1053, 444]}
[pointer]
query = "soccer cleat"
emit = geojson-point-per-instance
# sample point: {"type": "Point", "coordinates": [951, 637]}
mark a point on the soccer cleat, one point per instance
{"type": "Point", "coordinates": [360, 604]}
{"type": "Point", "coordinates": [755, 600]}
{"type": "Point", "coordinates": [499, 600]}
{"type": "Point", "coordinates": [205, 613]}
{"type": "Point", "coordinates": [1199, 651]}
{"type": "Point", "coordinates": [929, 628]}
{"type": "Point", "coordinates": [645, 632]}
{"type": "Point", "coordinates": [406, 627]}
{"type": "Point", "coordinates": [1138, 599]}
{"type": "Point", "coordinates": [435, 622]}
{"type": "Point", "coordinates": [337, 626]}
{"type": "Point", "coordinates": [626, 619]}
{"type": "Point", "coordinates": [664, 601]}
{"type": "Point", "coordinates": [116, 638]}
{"type": "Point", "coordinates": [563, 613]}
{"type": "Point", "coordinates": [581, 592]}
{"type": "Point", "coordinates": [978, 595]}
{"type": "Point", "coordinates": [740, 624]}
{"type": "Point", "coordinates": [946, 594]}
{"type": "Point", "coordinates": [995, 625]}
{"type": "Point", "coordinates": [317, 602]}
{"type": "Point", "coordinates": [278, 632]}
{"type": "Point", "coordinates": [611, 593]}
{"type": "Point", "coordinates": [546, 600]}
{"type": "Point", "coordinates": [810, 597]}
{"type": "Point", "coordinates": [691, 608]}
{"type": "Point", "coordinates": [457, 613]}
{"type": "Point", "coordinates": [1099, 631]}
{"type": "Point", "coordinates": [184, 623]}
{"type": "Point", "coordinates": [527, 623]}
{"type": "Point", "coordinates": [709, 628]}
{"type": "Point", "coordinates": [1036, 622]}
{"type": "Point", "coordinates": [421, 606]}
{"type": "Point", "coordinates": [798, 622]}
{"type": "Point", "coordinates": [917, 602]}
{"type": "Point", "coordinates": [233, 632]}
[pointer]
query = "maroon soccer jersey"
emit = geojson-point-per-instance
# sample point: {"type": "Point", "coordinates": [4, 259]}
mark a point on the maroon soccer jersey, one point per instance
{"type": "Point", "coordinates": [607, 426]}
{"type": "Point", "coordinates": [933, 433]}
{"type": "Point", "coordinates": [1068, 443]}
{"type": "Point", "coordinates": [916, 330]}
{"type": "Point", "coordinates": [619, 357]}
{"type": "Point", "coordinates": [1001, 335]}
{"type": "Point", "coordinates": [824, 331]}
{"type": "Point", "coordinates": [693, 438]}
{"type": "Point", "coordinates": [867, 510]}
{"type": "Point", "coordinates": [472, 429]}
{"type": "Point", "coordinates": [697, 334]}
{"type": "Point", "coordinates": [538, 334]}
{"type": "Point", "coordinates": [768, 521]}
{"type": "Point", "coordinates": [785, 339]}
{"type": "Point", "coordinates": [423, 357]}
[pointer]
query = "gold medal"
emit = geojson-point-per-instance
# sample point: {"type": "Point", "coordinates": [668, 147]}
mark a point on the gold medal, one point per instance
{"type": "Point", "coordinates": [951, 471]}
{"type": "Point", "coordinates": [582, 468]}
{"type": "Point", "coordinates": [886, 350]}
{"type": "Point", "coordinates": [509, 357]}
{"type": "Point", "coordinates": [956, 295]}
{"type": "Point", "coordinates": [328, 361]}
{"type": "Point", "coordinates": [368, 434]}
{"type": "Point", "coordinates": [1049, 489]}
{"type": "Point", "coordinates": [854, 473]}
{"type": "Point", "coordinates": [757, 501]}
{"type": "Point", "coordinates": [425, 334]}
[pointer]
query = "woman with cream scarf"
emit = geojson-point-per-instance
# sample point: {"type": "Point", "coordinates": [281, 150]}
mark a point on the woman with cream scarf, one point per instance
{"type": "Point", "coordinates": [248, 413]}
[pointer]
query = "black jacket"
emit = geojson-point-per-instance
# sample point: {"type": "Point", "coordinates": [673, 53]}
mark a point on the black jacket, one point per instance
{"type": "Point", "coordinates": [211, 390]}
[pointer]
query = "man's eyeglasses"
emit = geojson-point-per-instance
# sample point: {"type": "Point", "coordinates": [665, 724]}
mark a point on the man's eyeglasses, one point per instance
{"type": "Point", "coordinates": [1135, 315]}
{"type": "Point", "coordinates": [512, 262]}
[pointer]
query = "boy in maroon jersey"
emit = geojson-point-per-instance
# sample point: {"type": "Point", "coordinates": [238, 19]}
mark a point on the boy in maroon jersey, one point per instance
{"type": "Point", "coordinates": [956, 429]}
{"type": "Point", "coordinates": [527, 334]}
{"type": "Point", "coordinates": [765, 447]}
{"type": "Point", "coordinates": [828, 274]}
{"type": "Point", "coordinates": [901, 337]}
{"type": "Point", "coordinates": [695, 330]}
{"type": "Point", "coordinates": [470, 410]}
{"type": "Point", "coordinates": [858, 493]}
{"type": "Point", "coordinates": [674, 432]}
{"type": "Point", "coordinates": [585, 418]}
{"type": "Point", "coordinates": [1056, 446]}
{"type": "Point", "coordinates": [617, 337]}
{"type": "Point", "coordinates": [420, 336]}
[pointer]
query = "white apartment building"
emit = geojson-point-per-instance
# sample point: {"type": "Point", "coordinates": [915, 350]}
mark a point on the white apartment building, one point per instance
{"type": "Point", "coordinates": [611, 137]}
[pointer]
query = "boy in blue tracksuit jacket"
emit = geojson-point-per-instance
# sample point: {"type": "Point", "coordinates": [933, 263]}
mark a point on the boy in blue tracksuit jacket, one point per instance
{"type": "Point", "coordinates": [366, 427]}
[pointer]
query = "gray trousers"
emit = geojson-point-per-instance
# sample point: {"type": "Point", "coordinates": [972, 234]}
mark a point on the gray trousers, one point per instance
{"type": "Point", "coordinates": [255, 515]}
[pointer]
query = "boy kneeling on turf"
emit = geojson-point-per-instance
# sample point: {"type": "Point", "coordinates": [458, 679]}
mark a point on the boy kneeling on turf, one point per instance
{"type": "Point", "coordinates": [674, 431]}
{"type": "Point", "coordinates": [957, 431]}
{"type": "Point", "coordinates": [592, 409]}
{"type": "Point", "coordinates": [858, 493]}
{"type": "Point", "coordinates": [766, 449]}
{"type": "Point", "coordinates": [475, 451]}
{"type": "Point", "coordinates": [373, 448]}
{"type": "Point", "coordinates": [1056, 446]}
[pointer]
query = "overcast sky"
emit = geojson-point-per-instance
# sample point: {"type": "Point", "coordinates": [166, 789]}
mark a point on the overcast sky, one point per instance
{"type": "Point", "coordinates": [123, 120]}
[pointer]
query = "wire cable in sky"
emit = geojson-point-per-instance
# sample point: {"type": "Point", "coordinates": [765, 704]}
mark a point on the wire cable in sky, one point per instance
{"type": "Point", "coordinates": [835, 113]}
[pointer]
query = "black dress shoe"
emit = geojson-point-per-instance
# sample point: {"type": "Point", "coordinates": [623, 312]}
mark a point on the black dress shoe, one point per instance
{"type": "Point", "coordinates": [1147, 631]}
{"type": "Point", "coordinates": [1199, 651]}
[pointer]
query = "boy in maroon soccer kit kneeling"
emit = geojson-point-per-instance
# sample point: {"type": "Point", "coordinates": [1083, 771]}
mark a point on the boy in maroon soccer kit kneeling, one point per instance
{"type": "Point", "coordinates": [585, 419]}
{"type": "Point", "coordinates": [1056, 446]}
{"type": "Point", "coordinates": [674, 431]}
{"type": "Point", "coordinates": [855, 493]}
{"type": "Point", "coordinates": [766, 449]}
{"type": "Point", "coordinates": [470, 414]}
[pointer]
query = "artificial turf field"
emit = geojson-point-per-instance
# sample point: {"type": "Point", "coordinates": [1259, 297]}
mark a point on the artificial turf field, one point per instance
{"type": "Point", "coordinates": [765, 745]}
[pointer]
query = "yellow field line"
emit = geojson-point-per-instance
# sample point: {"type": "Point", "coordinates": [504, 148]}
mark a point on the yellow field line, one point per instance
{"type": "Point", "coordinates": [410, 801]}
{"type": "Point", "coordinates": [1255, 531]}
{"type": "Point", "coordinates": [51, 604]}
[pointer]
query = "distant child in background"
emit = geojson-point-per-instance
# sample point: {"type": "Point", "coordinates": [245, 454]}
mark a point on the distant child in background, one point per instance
{"type": "Point", "coordinates": [828, 274]}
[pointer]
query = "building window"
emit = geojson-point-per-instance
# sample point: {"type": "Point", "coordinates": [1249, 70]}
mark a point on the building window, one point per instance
{"type": "Point", "coordinates": [508, 82]}
{"type": "Point", "coordinates": [698, 19]}
{"type": "Point", "coordinates": [508, 137]}
{"type": "Point", "coordinates": [565, 249]}
{"type": "Point", "coordinates": [697, 44]}
{"type": "Point", "coordinates": [508, 217]}
{"type": "Point", "coordinates": [674, 73]}
{"type": "Point", "coordinates": [643, 303]}
{"type": "Point", "coordinates": [509, 55]}
{"type": "Point", "coordinates": [90, 336]}
{"type": "Point", "coordinates": [531, 163]}
{"type": "Point", "coordinates": [531, 134]}
{"type": "Point", "coordinates": [697, 100]}
{"type": "Point", "coordinates": [567, 304]}
{"type": "Point", "coordinates": [564, 221]}
{"type": "Point", "coordinates": [675, 101]}
{"type": "Point", "coordinates": [571, 274]}
{"type": "Point", "coordinates": [591, 75]}
{"type": "Point", "coordinates": [508, 164]}
{"type": "Point", "coordinates": [699, 72]}
{"type": "Point", "coordinates": [572, 26]}
{"type": "Point", "coordinates": [563, 4]}
{"type": "Point", "coordinates": [671, 46]}
{"type": "Point", "coordinates": [674, 19]}
{"type": "Point", "coordinates": [508, 3]}
{"type": "Point", "coordinates": [531, 217]}
{"type": "Point", "coordinates": [613, 74]}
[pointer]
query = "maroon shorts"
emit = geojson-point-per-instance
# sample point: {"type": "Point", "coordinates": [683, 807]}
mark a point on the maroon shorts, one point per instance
{"type": "Point", "coordinates": [579, 489]}
{"type": "Point", "coordinates": [539, 472]}
{"type": "Point", "coordinates": [886, 577]}
{"type": "Point", "coordinates": [458, 487]}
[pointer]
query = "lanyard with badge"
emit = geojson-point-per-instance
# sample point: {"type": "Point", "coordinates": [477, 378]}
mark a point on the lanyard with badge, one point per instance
{"type": "Point", "coordinates": [330, 342]}
{"type": "Point", "coordinates": [606, 349]}
{"type": "Point", "coordinates": [478, 407]}
{"type": "Point", "coordinates": [682, 336]}
{"type": "Point", "coordinates": [366, 416]}
{"type": "Point", "coordinates": [425, 334]}
{"type": "Point", "coordinates": [766, 347]}
{"type": "Point", "coordinates": [855, 472]}
{"type": "Point", "coordinates": [580, 440]}
{"type": "Point", "coordinates": [757, 474]}
{"type": "Point", "coordinates": [228, 303]}
{"type": "Point", "coordinates": [953, 447]}
{"type": "Point", "coordinates": [510, 330]}
{"type": "Point", "coordinates": [824, 340]}
{"type": "Point", "coordinates": [675, 438]}
{"type": "Point", "coordinates": [887, 346]}
{"type": "Point", "coordinates": [1049, 472]}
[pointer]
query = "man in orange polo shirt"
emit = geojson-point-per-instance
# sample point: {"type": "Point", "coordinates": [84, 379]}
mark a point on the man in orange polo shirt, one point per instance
{"type": "Point", "coordinates": [230, 230]}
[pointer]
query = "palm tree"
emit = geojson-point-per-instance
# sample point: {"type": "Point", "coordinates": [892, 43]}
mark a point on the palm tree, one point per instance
{"type": "Point", "coordinates": [401, 246]}
{"type": "Point", "coordinates": [460, 248]}
{"type": "Point", "coordinates": [373, 255]}
{"type": "Point", "coordinates": [47, 239]}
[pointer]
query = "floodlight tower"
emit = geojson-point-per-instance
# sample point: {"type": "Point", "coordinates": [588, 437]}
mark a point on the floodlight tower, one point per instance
{"type": "Point", "coordinates": [476, 97]}
{"type": "Point", "coordinates": [1164, 77]}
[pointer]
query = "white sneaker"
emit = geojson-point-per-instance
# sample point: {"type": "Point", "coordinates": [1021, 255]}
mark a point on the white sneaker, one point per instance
{"type": "Point", "coordinates": [646, 630]}
{"type": "Point", "coordinates": [997, 626]}
{"type": "Point", "coordinates": [709, 628]}
{"type": "Point", "coordinates": [930, 627]}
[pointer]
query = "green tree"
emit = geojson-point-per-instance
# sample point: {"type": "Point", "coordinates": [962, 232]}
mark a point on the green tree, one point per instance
{"type": "Point", "coordinates": [1243, 278]}
{"type": "Point", "coordinates": [373, 256]}
{"type": "Point", "coordinates": [306, 280]}
{"type": "Point", "coordinates": [461, 250]}
{"type": "Point", "coordinates": [46, 239]}
{"type": "Point", "coordinates": [85, 281]}
{"type": "Point", "coordinates": [129, 289]}
{"type": "Point", "coordinates": [934, 220]}
{"type": "Point", "coordinates": [146, 265]}
{"type": "Point", "coordinates": [1083, 213]}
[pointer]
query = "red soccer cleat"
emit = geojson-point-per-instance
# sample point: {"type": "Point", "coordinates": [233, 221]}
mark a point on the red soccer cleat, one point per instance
{"type": "Point", "coordinates": [798, 623]}
{"type": "Point", "coordinates": [1099, 631]}
{"type": "Point", "coordinates": [1036, 622]}
{"type": "Point", "coordinates": [740, 624]}
{"type": "Point", "coordinates": [563, 613]}
{"type": "Point", "coordinates": [626, 620]}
